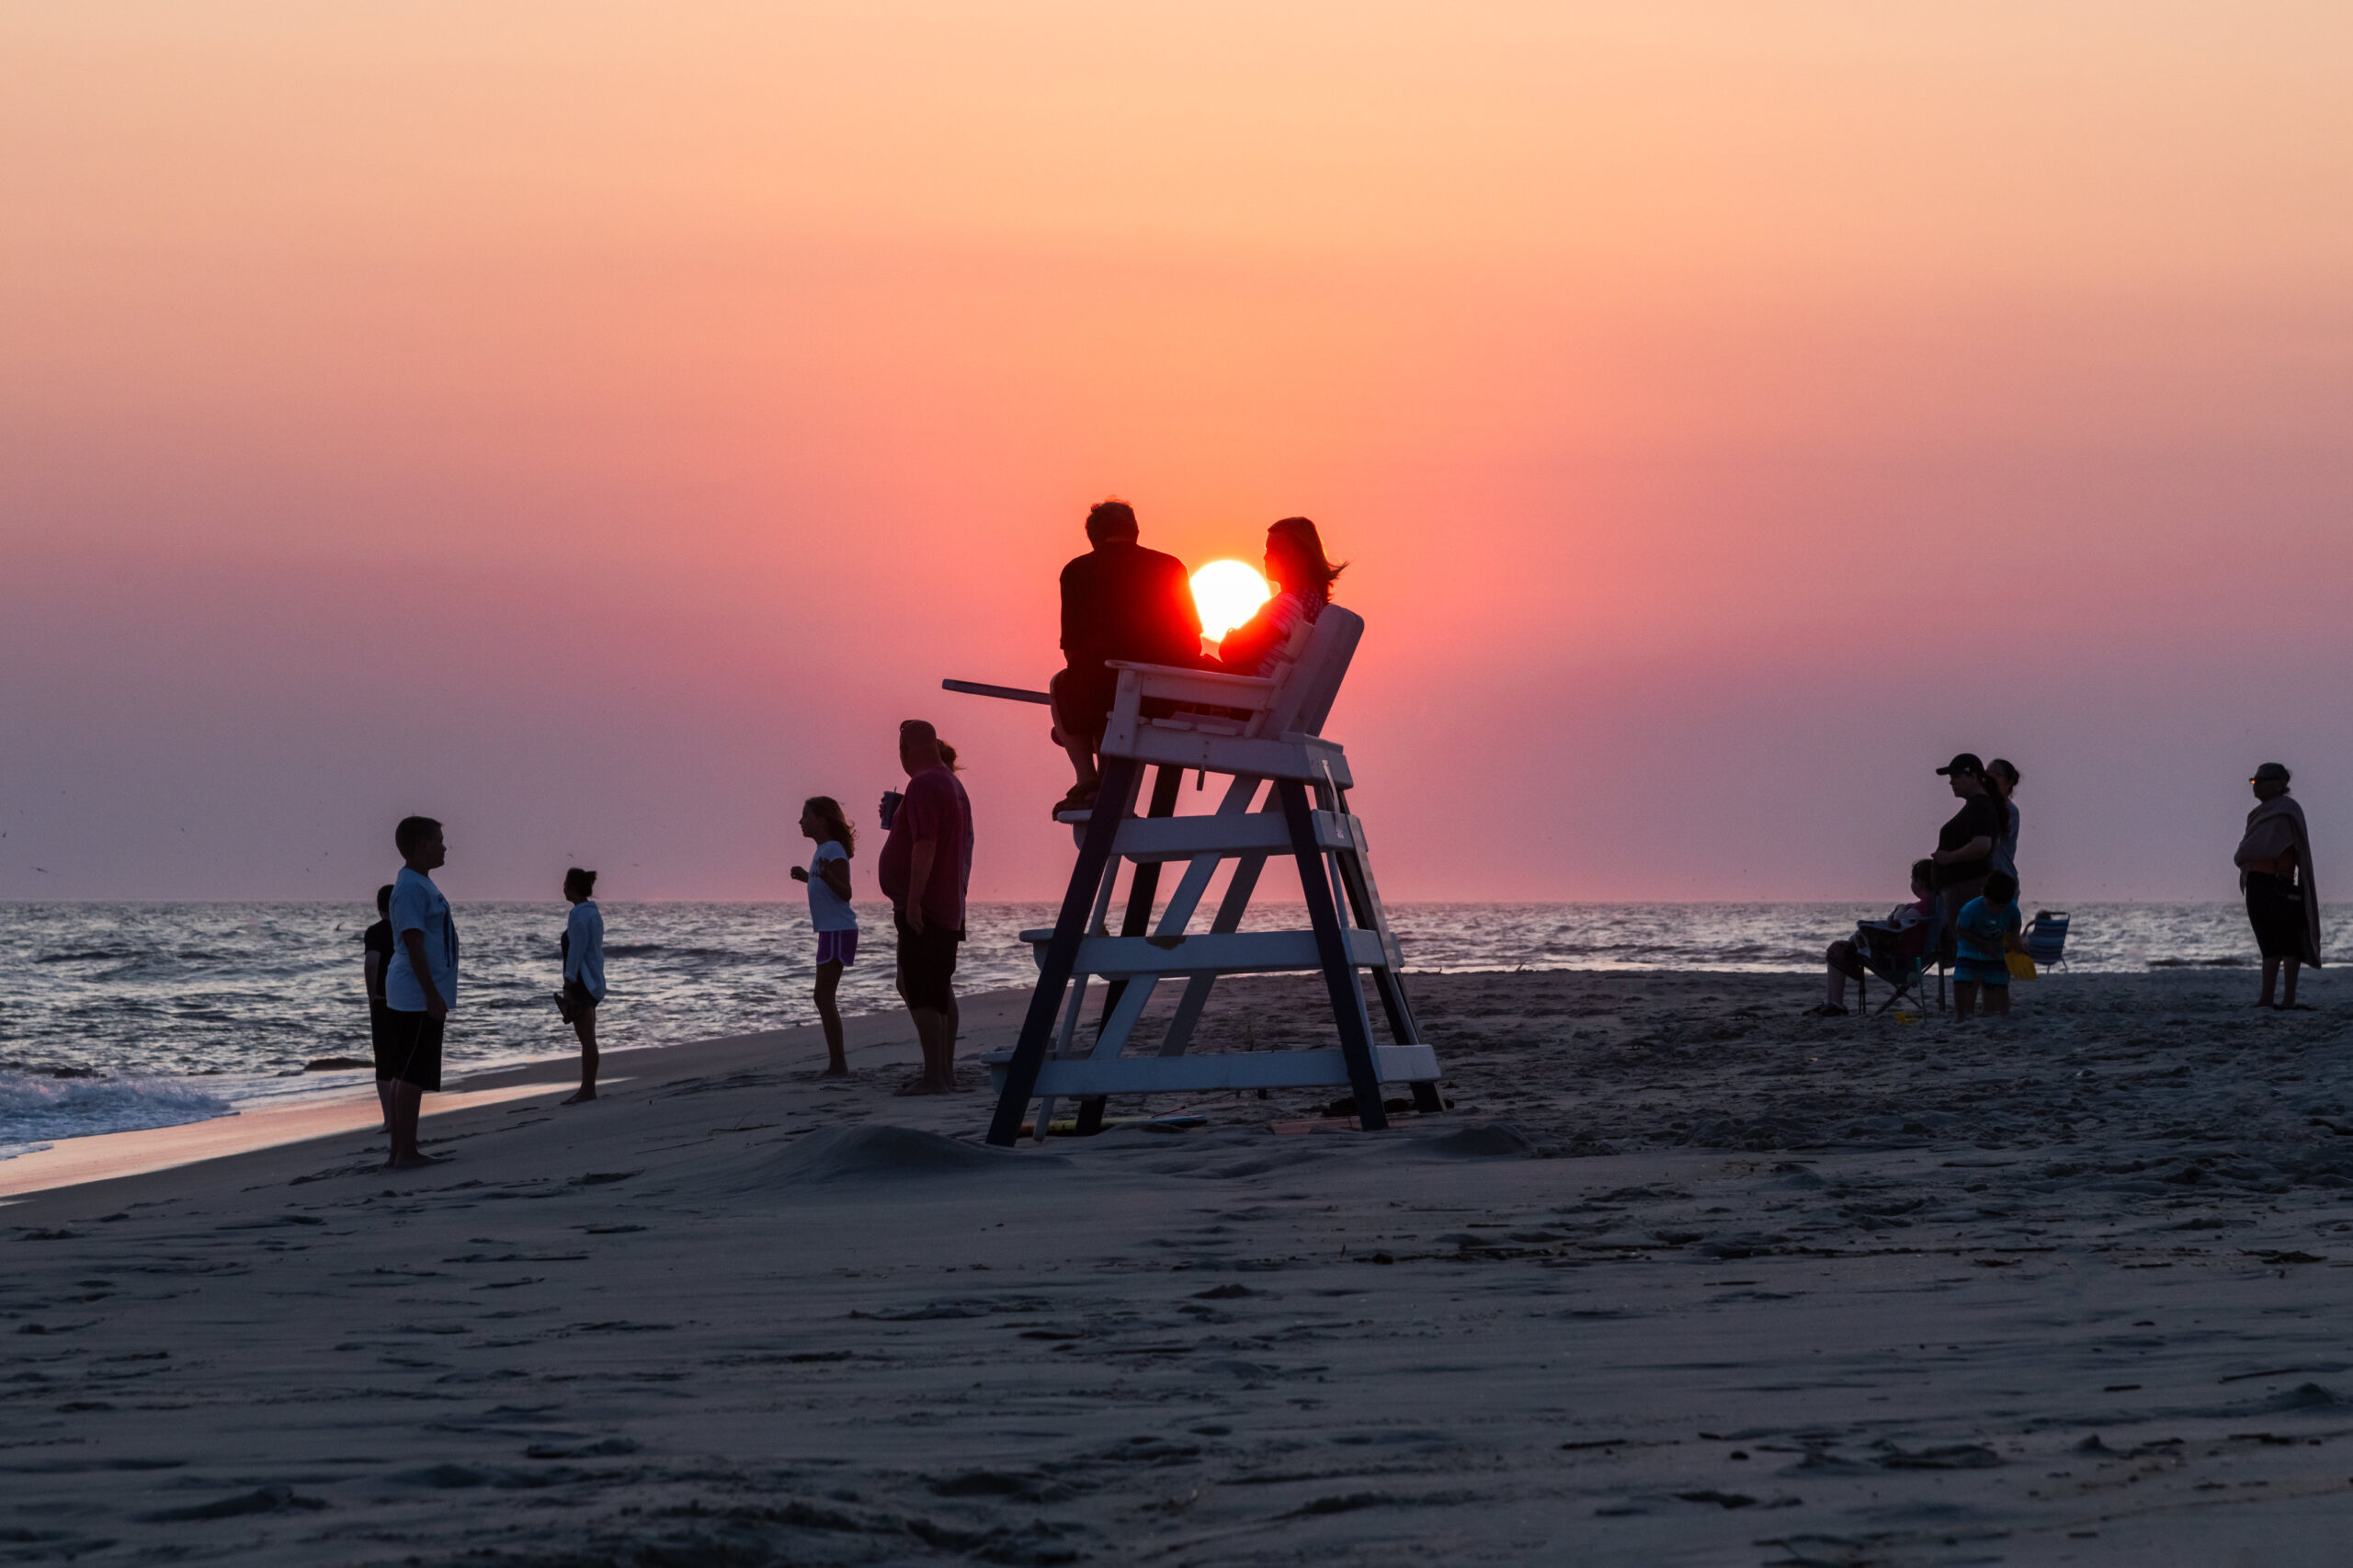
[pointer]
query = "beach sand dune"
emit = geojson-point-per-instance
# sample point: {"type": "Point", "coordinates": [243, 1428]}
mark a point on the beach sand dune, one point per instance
{"type": "Point", "coordinates": [1683, 1278]}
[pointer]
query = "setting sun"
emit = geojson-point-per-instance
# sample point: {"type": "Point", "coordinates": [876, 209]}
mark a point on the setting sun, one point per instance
{"type": "Point", "coordinates": [1227, 593]}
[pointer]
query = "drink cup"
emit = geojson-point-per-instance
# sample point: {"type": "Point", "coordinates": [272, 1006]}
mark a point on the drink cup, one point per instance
{"type": "Point", "coordinates": [891, 799]}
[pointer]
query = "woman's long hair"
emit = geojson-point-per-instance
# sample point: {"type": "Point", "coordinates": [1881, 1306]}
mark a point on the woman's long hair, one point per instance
{"type": "Point", "coordinates": [829, 812]}
{"type": "Point", "coordinates": [1295, 543]}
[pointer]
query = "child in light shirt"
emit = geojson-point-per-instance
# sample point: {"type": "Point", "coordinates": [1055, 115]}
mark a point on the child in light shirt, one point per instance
{"type": "Point", "coordinates": [830, 914]}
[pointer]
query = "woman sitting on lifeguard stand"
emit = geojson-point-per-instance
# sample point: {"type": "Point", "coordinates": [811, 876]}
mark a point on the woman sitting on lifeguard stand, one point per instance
{"type": "Point", "coordinates": [1298, 569]}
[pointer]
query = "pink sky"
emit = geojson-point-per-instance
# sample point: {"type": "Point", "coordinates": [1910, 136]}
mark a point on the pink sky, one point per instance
{"type": "Point", "coordinates": [596, 426]}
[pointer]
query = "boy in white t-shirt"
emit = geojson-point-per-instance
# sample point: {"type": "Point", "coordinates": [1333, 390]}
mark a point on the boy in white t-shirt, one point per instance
{"type": "Point", "coordinates": [835, 922]}
{"type": "Point", "coordinates": [420, 985]}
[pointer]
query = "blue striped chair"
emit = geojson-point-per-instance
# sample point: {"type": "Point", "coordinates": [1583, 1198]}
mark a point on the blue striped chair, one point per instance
{"type": "Point", "coordinates": [2046, 939]}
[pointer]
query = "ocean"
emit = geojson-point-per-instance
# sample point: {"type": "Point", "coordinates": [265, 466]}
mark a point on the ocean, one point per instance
{"type": "Point", "coordinates": [121, 1015]}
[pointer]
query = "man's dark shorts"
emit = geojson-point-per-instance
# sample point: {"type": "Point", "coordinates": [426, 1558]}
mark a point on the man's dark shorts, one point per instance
{"type": "Point", "coordinates": [1081, 701]}
{"type": "Point", "coordinates": [409, 1050]}
{"type": "Point", "coordinates": [927, 964]}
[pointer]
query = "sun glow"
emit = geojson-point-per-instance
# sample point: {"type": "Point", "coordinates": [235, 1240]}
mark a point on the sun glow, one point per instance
{"type": "Point", "coordinates": [1227, 593]}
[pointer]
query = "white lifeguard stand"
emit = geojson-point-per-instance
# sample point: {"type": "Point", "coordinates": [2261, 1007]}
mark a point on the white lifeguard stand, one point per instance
{"type": "Point", "coordinates": [1258, 732]}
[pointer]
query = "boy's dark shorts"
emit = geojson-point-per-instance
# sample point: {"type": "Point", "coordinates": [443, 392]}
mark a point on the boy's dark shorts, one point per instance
{"type": "Point", "coordinates": [927, 964]}
{"type": "Point", "coordinates": [409, 1050]}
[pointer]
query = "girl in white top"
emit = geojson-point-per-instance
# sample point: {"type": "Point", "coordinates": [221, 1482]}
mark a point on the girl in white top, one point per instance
{"type": "Point", "coordinates": [823, 822]}
{"type": "Point", "coordinates": [584, 973]}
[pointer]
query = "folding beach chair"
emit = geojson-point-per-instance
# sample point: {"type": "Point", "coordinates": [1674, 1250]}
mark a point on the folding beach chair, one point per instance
{"type": "Point", "coordinates": [2046, 939]}
{"type": "Point", "coordinates": [1911, 981]}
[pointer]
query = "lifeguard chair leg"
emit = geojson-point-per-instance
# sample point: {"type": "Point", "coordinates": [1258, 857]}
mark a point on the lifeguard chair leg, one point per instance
{"type": "Point", "coordinates": [1061, 952]}
{"type": "Point", "coordinates": [1332, 947]}
{"type": "Point", "coordinates": [1364, 904]}
{"type": "Point", "coordinates": [1239, 888]}
{"type": "Point", "coordinates": [1143, 886]}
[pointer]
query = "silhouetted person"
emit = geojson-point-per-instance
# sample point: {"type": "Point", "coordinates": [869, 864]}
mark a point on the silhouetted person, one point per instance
{"type": "Point", "coordinates": [584, 974]}
{"type": "Point", "coordinates": [1119, 601]}
{"type": "Point", "coordinates": [923, 869]}
{"type": "Point", "coordinates": [2275, 861]}
{"type": "Point", "coordinates": [420, 985]}
{"type": "Point", "coordinates": [1302, 578]}
{"type": "Point", "coordinates": [830, 914]}
{"type": "Point", "coordinates": [1988, 930]}
{"type": "Point", "coordinates": [376, 947]}
{"type": "Point", "coordinates": [1964, 856]}
{"type": "Point", "coordinates": [1884, 947]}
{"type": "Point", "coordinates": [2002, 782]}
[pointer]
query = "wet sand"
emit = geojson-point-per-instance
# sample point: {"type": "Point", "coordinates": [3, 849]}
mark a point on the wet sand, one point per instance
{"type": "Point", "coordinates": [1684, 1278]}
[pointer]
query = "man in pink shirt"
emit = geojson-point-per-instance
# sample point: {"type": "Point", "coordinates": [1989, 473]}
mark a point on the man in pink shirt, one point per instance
{"type": "Point", "coordinates": [923, 869]}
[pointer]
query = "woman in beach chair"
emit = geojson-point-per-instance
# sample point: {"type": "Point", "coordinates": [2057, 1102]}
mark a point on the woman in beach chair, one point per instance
{"type": "Point", "coordinates": [1885, 947]}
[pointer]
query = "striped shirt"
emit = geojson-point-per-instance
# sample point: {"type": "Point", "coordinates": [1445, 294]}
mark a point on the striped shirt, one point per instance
{"type": "Point", "coordinates": [1256, 647]}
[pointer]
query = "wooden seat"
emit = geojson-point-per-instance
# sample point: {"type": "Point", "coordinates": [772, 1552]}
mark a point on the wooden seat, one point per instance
{"type": "Point", "coordinates": [1261, 733]}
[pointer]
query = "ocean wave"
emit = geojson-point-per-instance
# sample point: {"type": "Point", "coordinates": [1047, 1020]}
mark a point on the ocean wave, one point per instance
{"type": "Point", "coordinates": [35, 1110]}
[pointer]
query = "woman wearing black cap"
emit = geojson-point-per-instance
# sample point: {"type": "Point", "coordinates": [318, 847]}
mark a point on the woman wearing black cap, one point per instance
{"type": "Point", "coordinates": [2275, 861]}
{"type": "Point", "coordinates": [1964, 856]}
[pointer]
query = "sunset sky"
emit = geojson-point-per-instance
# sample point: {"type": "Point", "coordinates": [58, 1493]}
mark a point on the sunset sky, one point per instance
{"type": "Point", "coordinates": [597, 425]}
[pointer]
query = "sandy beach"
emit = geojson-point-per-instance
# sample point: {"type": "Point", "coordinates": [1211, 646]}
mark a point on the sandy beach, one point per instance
{"type": "Point", "coordinates": [1684, 1278]}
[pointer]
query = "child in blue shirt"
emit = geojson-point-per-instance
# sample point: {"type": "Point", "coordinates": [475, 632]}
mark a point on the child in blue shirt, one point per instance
{"type": "Point", "coordinates": [1987, 930]}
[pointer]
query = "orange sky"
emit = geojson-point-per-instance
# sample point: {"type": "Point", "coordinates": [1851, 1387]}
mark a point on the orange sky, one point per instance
{"type": "Point", "coordinates": [597, 425]}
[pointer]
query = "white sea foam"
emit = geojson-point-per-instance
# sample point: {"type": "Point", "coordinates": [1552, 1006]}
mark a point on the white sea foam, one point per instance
{"type": "Point", "coordinates": [35, 1111]}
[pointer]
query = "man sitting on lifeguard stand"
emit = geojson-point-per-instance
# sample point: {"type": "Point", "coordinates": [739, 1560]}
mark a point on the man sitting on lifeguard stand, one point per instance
{"type": "Point", "coordinates": [1119, 601]}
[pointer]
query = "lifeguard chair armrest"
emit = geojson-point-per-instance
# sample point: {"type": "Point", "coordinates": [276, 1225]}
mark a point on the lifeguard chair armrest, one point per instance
{"type": "Point", "coordinates": [1306, 757]}
{"type": "Point", "coordinates": [1179, 683]}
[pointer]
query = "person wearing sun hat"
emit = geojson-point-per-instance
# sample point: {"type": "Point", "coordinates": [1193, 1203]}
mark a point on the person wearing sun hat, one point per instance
{"type": "Point", "coordinates": [2275, 861]}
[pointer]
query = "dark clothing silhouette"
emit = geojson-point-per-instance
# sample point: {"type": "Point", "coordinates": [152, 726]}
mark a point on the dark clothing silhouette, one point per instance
{"type": "Point", "coordinates": [1119, 601]}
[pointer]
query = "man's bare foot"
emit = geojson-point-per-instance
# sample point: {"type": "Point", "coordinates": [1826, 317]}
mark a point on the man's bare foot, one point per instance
{"type": "Point", "coordinates": [410, 1162]}
{"type": "Point", "coordinates": [840, 1071]}
{"type": "Point", "coordinates": [918, 1086]}
{"type": "Point", "coordinates": [578, 1096]}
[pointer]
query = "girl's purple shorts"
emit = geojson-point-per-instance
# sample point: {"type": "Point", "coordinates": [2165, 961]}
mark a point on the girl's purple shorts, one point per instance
{"type": "Point", "coordinates": [838, 947]}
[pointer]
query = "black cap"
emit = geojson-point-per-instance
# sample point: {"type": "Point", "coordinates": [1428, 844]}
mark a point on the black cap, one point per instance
{"type": "Point", "coordinates": [1965, 765]}
{"type": "Point", "coordinates": [2270, 773]}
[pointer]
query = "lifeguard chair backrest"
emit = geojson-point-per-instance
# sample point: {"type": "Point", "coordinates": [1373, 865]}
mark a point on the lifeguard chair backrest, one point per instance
{"type": "Point", "coordinates": [1311, 684]}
